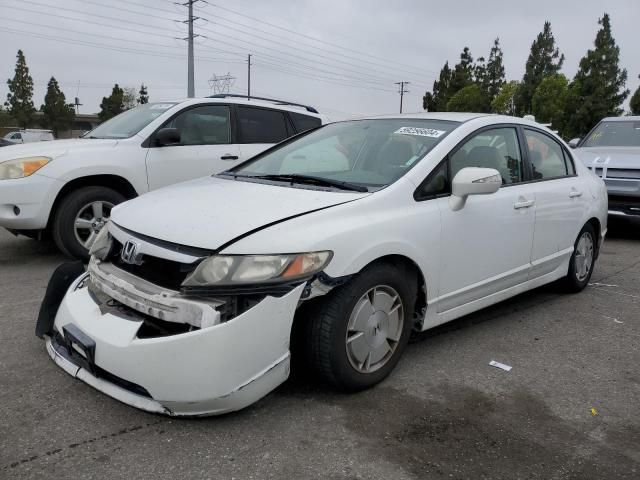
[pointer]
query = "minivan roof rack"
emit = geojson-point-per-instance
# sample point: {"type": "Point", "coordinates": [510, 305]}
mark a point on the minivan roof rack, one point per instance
{"type": "Point", "coordinates": [274, 100]}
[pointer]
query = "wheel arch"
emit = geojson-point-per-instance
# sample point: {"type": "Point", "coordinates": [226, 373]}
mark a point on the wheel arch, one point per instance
{"type": "Point", "coordinates": [115, 182]}
{"type": "Point", "coordinates": [411, 267]}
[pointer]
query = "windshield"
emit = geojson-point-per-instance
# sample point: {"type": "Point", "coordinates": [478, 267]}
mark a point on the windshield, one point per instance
{"type": "Point", "coordinates": [128, 123]}
{"type": "Point", "coordinates": [369, 153]}
{"type": "Point", "coordinates": [615, 134]}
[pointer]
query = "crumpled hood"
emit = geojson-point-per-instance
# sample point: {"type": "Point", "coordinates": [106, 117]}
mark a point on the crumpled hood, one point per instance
{"type": "Point", "coordinates": [53, 148]}
{"type": "Point", "coordinates": [612, 157]}
{"type": "Point", "coordinates": [210, 212]}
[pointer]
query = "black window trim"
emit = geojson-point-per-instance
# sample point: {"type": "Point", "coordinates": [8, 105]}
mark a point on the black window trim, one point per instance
{"type": "Point", "coordinates": [150, 140]}
{"type": "Point", "coordinates": [526, 172]}
{"type": "Point", "coordinates": [562, 148]}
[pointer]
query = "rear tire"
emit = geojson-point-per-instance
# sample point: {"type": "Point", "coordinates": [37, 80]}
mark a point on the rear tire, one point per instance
{"type": "Point", "coordinates": [80, 216]}
{"type": "Point", "coordinates": [358, 332]}
{"type": "Point", "coordinates": [582, 260]}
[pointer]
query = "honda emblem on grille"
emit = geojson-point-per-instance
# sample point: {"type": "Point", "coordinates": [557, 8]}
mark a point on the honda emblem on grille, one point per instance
{"type": "Point", "coordinates": [130, 253]}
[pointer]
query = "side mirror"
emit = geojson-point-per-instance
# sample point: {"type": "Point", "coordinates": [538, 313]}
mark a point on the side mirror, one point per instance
{"type": "Point", "coordinates": [473, 181]}
{"type": "Point", "coordinates": [573, 143]}
{"type": "Point", "coordinates": [167, 136]}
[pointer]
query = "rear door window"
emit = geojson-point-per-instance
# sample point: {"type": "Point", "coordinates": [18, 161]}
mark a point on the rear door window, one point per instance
{"type": "Point", "coordinates": [304, 122]}
{"type": "Point", "coordinates": [547, 157]}
{"type": "Point", "coordinates": [261, 125]}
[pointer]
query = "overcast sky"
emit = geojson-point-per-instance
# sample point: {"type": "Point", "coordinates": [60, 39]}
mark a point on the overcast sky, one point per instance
{"type": "Point", "coordinates": [363, 48]}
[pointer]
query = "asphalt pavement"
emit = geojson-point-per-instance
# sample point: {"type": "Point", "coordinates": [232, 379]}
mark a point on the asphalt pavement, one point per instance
{"type": "Point", "coordinates": [568, 409]}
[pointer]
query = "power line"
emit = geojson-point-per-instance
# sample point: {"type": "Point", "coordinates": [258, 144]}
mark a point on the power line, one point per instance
{"type": "Point", "coordinates": [263, 22]}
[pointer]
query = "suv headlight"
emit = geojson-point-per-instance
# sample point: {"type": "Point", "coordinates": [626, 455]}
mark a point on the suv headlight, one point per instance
{"type": "Point", "coordinates": [21, 167]}
{"type": "Point", "coordinates": [229, 270]}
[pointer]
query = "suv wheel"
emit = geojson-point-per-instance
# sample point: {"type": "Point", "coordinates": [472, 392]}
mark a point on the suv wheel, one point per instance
{"type": "Point", "coordinates": [360, 330]}
{"type": "Point", "coordinates": [79, 218]}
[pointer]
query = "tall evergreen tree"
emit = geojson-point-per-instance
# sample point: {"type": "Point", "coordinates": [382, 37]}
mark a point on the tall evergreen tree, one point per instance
{"type": "Point", "coordinates": [462, 75]}
{"type": "Point", "coordinates": [20, 97]}
{"type": "Point", "coordinates": [436, 101]}
{"type": "Point", "coordinates": [143, 95]}
{"type": "Point", "coordinates": [113, 104]}
{"type": "Point", "coordinates": [58, 114]}
{"type": "Point", "coordinates": [494, 77]}
{"type": "Point", "coordinates": [634, 103]}
{"type": "Point", "coordinates": [598, 89]}
{"type": "Point", "coordinates": [544, 60]}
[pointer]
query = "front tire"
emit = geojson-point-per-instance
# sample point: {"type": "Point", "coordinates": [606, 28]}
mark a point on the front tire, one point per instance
{"type": "Point", "coordinates": [582, 260]}
{"type": "Point", "coordinates": [80, 216]}
{"type": "Point", "coordinates": [359, 330]}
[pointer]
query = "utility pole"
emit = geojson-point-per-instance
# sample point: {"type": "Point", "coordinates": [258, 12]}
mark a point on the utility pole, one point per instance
{"type": "Point", "coordinates": [402, 91]}
{"type": "Point", "coordinates": [249, 77]}
{"type": "Point", "coordinates": [190, 84]}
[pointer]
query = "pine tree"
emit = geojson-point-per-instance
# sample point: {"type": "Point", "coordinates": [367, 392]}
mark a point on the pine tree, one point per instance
{"type": "Point", "coordinates": [544, 60]}
{"type": "Point", "coordinates": [634, 103]}
{"type": "Point", "coordinates": [549, 101]}
{"type": "Point", "coordinates": [462, 75]}
{"type": "Point", "coordinates": [20, 97]}
{"type": "Point", "coordinates": [112, 105]}
{"type": "Point", "coordinates": [494, 77]}
{"type": "Point", "coordinates": [58, 114]}
{"type": "Point", "coordinates": [437, 101]}
{"type": "Point", "coordinates": [598, 89]}
{"type": "Point", "coordinates": [143, 95]}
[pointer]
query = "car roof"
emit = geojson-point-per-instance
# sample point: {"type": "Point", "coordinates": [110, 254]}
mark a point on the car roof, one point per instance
{"type": "Point", "coordinates": [629, 118]}
{"type": "Point", "coordinates": [450, 116]}
{"type": "Point", "coordinates": [253, 102]}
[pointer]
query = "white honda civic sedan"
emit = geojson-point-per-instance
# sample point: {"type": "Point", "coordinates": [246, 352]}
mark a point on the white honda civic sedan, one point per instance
{"type": "Point", "coordinates": [336, 244]}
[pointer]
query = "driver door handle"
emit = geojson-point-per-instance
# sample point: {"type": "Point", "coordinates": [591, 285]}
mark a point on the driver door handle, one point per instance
{"type": "Point", "coordinates": [523, 204]}
{"type": "Point", "coordinates": [574, 193]}
{"type": "Point", "coordinates": [228, 156]}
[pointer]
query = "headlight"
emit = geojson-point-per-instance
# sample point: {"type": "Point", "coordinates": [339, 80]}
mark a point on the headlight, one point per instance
{"type": "Point", "coordinates": [102, 244]}
{"type": "Point", "coordinates": [227, 270]}
{"type": "Point", "coordinates": [22, 167]}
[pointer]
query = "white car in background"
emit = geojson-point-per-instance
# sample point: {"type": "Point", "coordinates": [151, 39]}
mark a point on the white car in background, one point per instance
{"type": "Point", "coordinates": [68, 187]}
{"type": "Point", "coordinates": [29, 135]}
{"type": "Point", "coordinates": [335, 245]}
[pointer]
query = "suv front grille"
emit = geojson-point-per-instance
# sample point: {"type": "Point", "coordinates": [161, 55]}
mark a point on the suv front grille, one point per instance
{"type": "Point", "coordinates": [159, 271]}
{"type": "Point", "coordinates": [623, 173]}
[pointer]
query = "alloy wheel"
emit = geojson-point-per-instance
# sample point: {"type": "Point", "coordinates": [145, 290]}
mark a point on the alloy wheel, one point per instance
{"type": "Point", "coordinates": [90, 220]}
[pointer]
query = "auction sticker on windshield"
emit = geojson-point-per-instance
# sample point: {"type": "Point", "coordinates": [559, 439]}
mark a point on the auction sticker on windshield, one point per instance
{"type": "Point", "coordinates": [422, 132]}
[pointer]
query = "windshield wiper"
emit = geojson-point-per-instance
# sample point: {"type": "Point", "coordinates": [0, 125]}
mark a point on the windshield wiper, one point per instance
{"type": "Point", "coordinates": [311, 180]}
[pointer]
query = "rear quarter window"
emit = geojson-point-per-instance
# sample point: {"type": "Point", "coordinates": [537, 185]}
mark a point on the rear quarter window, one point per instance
{"type": "Point", "coordinates": [304, 122]}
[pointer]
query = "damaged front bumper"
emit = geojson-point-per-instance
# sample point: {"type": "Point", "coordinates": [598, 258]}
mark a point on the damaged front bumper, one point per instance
{"type": "Point", "coordinates": [217, 368]}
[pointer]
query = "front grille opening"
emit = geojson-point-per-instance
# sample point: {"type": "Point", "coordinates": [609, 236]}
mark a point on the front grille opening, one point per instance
{"type": "Point", "coordinates": [154, 328]}
{"type": "Point", "coordinates": [159, 271]}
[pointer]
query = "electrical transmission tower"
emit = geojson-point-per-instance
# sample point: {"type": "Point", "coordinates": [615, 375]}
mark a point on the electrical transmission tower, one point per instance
{"type": "Point", "coordinates": [402, 91]}
{"type": "Point", "coordinates": [222, 83]}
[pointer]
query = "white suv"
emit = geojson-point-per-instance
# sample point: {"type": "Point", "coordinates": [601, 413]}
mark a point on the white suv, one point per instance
{"type": "Point", "coordinates": [68, 187]}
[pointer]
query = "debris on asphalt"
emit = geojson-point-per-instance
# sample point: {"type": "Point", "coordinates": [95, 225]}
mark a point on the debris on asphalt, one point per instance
{"type": "Point", "coordinates": [594, 412]}
{"type": "Point", "coordinates": [502, 366]}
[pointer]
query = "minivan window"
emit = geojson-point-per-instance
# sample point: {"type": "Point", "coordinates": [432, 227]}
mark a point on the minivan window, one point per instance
{"type": "Point", "coordinates": [370, 153]}
{"type": "Point", "coordinates": [261, 125]}
{"type": "Point", "coordinates": [304, 122]}
{"type": "Point", "coordinates": [128, 123]}
{"type": "Point", "coordinates": [624, 133]}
